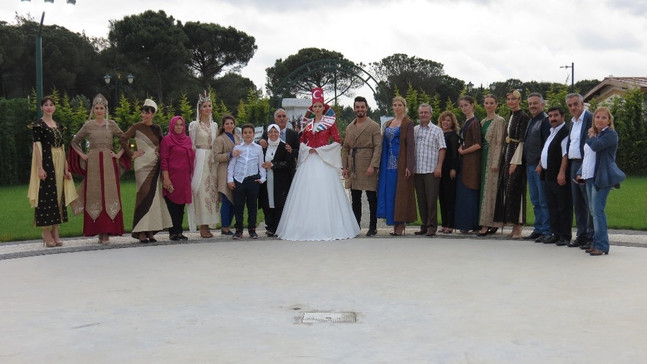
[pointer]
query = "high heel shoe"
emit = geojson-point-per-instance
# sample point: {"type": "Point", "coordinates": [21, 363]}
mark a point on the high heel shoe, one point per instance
{"type": "Point", "coordinates": [596, 252]}
{"type": "Point", "coordinates": [46, 242]}
{"type": "Point", "coordinates": [492, 230]}
{"type": "Point", "coordinates": [398, 230]}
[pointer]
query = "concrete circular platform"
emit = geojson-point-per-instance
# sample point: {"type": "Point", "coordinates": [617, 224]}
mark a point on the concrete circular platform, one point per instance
{"type": "Point", "coordinates": [417, 300]}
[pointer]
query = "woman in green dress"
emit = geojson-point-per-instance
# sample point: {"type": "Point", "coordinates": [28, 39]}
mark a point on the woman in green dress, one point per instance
{"type": "Point", "coordinates": [493, 138]}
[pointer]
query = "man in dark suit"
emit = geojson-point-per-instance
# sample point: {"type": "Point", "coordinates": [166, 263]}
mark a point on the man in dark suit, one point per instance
{"type": "Point", "coordinates": [580, 125]}
{"type": "Point", "coordinates": [287, 135]}
{"type": "Point", "coordinates": [553, 167]}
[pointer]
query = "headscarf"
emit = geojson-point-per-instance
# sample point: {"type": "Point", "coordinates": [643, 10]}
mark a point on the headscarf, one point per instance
{"type": "Point", "coordinates": [272, 145]}
{"type": "Point", "coordinates": [180, 140]}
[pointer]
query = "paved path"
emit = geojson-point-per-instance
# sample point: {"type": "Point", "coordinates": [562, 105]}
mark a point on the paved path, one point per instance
{"type": "Point", "coordinates": [458, 299]}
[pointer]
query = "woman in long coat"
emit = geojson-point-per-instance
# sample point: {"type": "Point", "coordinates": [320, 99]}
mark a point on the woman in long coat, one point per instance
{"type": "Point", "coordinates": [151, 214]}
{"type": "Point", "coordinates": [493, 139]}
{"type": "Point", "coordinates": [99, 193]}
{"type": "Point", "coordinates": [469, 170]}
{"type": "Point", "coordinates": [274, 191]}
{"type": "Point", "coordinates": [396, 170]}
{"type": "Point", "coordinates": [511, 197]}
{"type": "Point", "coordinates": [222, 149]}
{"type": "Point", "coordinates": [51, 187]}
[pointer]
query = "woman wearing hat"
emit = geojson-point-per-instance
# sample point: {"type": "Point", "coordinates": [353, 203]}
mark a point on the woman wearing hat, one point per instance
{"type": "Point", "coordinates": [317, 207]}
{"type": "Point", "coordinates": [99, 196]}
{"type": "Point", "coordinates": [274, 191]}
{"type": "Point", "coordinates": [203, 211]}
{"type": "Point", "coordinates": [151, 214]}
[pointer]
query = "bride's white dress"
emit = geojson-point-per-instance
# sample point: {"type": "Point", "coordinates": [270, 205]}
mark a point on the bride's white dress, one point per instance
{"type": "Point", "coordinates": [317, 207]}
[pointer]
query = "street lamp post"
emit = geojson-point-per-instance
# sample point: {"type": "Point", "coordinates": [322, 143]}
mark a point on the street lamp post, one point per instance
{"type": "Point", "coordinates": [130, 78]}
{"type": "Point", "coordinates": [572, 67]}
{"type": "Point", "coordinates": [39, 59]}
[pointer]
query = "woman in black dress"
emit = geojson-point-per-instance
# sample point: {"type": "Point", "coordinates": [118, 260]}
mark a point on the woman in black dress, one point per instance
{"type": "Point", "coordinates": [447, 192]}
{"type": "Point", "coordinates": [49, 174]}
{"type": "Point", "coordinates": [274, 191]}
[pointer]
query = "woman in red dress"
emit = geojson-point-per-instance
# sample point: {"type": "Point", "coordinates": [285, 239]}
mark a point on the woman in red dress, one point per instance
{"type": "Point", "coordinates": [317, 183]}
{"type": "Point", "coordinates": [99, 195]}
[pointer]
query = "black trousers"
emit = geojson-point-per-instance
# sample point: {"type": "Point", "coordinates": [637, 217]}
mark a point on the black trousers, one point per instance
{"type": "Point", "coordinates": [356, 196]}
{"type": "Point", "coordinates": [447, 198]}
{"type": "Point", "coordinates": [177, 216]}
{"type": "Point", "coordinates": [560, 209]}
{"type": "Point", "coordinates": [246, 193]}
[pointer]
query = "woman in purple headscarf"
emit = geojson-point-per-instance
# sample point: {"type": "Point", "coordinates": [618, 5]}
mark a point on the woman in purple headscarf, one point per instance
{"type": "Point", "coordinates": [177, 159]}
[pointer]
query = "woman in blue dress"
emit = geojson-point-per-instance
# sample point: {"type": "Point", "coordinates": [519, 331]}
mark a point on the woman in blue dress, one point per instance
{"type": "Point", "coordinates": [396, 168]}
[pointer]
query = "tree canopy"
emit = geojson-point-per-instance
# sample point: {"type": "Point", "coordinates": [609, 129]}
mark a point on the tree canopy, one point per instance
{"type": "Point", "coordinates": [215, 49]}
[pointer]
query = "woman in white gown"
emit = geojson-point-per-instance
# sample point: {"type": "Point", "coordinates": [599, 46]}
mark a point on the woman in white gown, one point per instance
{"type": "Point", "coordinates": [317, 207]}
{"type": "Point", "coordinates": [203, 211]}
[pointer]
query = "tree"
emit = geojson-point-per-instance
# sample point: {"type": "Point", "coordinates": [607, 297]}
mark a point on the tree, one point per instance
{"type": "Point", "coordinates": [156, 41]}
{"type": "Point", "coordinates": [232, 88]}
{"type": "Point", "coordinates": [215, 48]}
{"type": "Point", "coordinates": [330, 79]}
{"type": "Point", "coordinates": [400, 71]}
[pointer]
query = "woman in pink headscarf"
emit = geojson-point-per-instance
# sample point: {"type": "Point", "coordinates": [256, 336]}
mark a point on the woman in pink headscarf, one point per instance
{"type": "Point", "coordinates": [177, 159]}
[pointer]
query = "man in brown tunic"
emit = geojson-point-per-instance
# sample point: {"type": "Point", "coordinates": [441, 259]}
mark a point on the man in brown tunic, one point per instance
{"type": "Point", "coordinates": [360, 159]}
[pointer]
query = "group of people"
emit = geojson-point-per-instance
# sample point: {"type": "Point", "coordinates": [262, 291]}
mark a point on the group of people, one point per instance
{"type": "Point", "coordinates": [478, 172]}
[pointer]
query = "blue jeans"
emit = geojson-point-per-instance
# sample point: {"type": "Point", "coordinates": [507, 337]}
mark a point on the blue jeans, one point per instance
{"type": "Point", "coordinates": [537, 190]}
{"type": "Point", "coordinates": [597, 202]}
{"type": "Point", "coordinates": [581, 206]}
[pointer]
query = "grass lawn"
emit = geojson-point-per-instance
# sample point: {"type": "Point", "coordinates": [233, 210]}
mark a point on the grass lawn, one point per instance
{"type": "Point", "coordinates": [626, 209]}
{"type": "Point", "coordinates": [17, 217]}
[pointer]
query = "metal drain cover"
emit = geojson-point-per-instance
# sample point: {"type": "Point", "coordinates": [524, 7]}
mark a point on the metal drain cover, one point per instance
{"type": "Point", "coordinates": [333, 317]}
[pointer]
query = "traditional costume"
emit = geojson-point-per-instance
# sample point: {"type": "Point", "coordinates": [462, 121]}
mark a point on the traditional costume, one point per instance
{"type": "Point", "coordinates": [317, 207]}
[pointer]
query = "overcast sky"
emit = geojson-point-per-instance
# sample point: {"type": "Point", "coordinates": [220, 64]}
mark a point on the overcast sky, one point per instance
{"type": "Point", "coordinates": [478, 41]}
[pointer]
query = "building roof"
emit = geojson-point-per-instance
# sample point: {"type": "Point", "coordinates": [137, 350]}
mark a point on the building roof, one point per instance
{"type": "Point", "coordinates": [615, 85]}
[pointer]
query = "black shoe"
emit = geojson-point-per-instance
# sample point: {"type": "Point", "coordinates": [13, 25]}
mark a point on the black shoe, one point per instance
{"type": "Point", "coordinates": [492, 230]}
{"type": "Point", "coordinates": [228, 232]}
{"type": "Point", "coordinates": [270, 234]}
{"type": "Point", "coordinates": [550, 239]}
{"type": "Point", "coordinates": [371, 232]}
{"type": "Point", "coordinates": [586, 246]}
{"type": "Point", "coordinates": [252, 234]}
{"type": "Point", "coordinates": [563, 242]}
{"type": "Point", "coordinates": [533, 236]}
{"type": "Point", "coordinates": [542, 238]}
{"type": "Point", "coordinates": [174, 237]}
{"type": "Point", "coordinates": [152, 240]}
{"type": "Point", "coordinates": [238, 235]}
{"type": "Point", "coordinates": [420, 232]}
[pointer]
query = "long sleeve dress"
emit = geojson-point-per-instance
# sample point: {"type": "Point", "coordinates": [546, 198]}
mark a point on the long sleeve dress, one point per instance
{"type": "Point", "coordinates": [398, 154]}
{"type": "Point", "coordinates": [317, 207]}
{"type": "Point", "coordinates": [99, 193]}
{"type": "Point", "coordinates": [493, 139]}
{"type": "Point", "coordinates": [511, 197]}
{"type": "Point", "coordinates": [51, 196]}
{"type": "Point", "coordinates": [151, 213]}
{"type": "Point", "coordinates": [203, 210]}
{"type": "Point", "coordinates": [468, 178]}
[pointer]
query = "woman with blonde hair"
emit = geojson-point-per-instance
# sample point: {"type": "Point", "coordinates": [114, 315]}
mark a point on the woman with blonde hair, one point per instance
{"type": "Point", "coordinates": [600, 173]}
{"type": "Point", "coordinates": [396, 170]}
{"type": "Point", "coordinates": [203, 211]}
{"type": "Point", "coordinates": [99, 193]}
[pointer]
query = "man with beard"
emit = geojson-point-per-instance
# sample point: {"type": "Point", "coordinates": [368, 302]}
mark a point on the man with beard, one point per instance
{"type": "Point", "coordinates": [361, 154]}
{"type": "Point", "coordinates": [554, 171]}
{"type": "Point", "coordinates": [430, 154]}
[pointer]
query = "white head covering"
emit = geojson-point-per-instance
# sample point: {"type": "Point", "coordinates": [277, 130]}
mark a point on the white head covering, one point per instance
{"type": "Point", "coordinates": [151, 103]}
